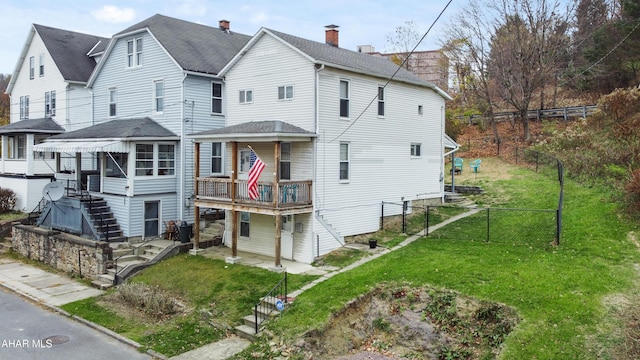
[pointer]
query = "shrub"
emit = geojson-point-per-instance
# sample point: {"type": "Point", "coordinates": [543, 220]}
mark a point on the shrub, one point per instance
{"type": "Point", "coordinates": [7, 200]}
{"type": "Point", "coordinates": [633, 189]}
{"type": "Point", "coordinates": [150, 299]}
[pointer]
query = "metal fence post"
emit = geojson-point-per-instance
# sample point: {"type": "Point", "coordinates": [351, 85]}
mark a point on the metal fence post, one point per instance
{"type": "Point", "coordinates": [488, 225]}
{"type": "Point", "coordinates": [382, 217]}
{"type": "Point", "coordinates": [426, 221]}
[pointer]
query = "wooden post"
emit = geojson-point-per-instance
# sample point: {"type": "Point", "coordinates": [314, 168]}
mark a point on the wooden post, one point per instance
{"type": "Point", "coordinates": [234, 168]}
{"type": "Point", "coordinates": [196, 208]}
{"type": "Point", "coordinates": [278, 239]}
{"type": "Point", "coordinates": [234, 233]}
{"type": "Point", "coordinates": [276, 173]}
{"type": "Point", "coordinates": [78, 173]}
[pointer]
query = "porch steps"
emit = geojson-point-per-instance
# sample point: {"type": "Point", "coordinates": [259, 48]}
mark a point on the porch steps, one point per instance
{"type": "Point", "coordinates": [103, 220]}
{"type": "Point", "coordinates": [247, 329]}
{"type": "Point", "coordinates": [212, 230]}
{"type": "Point", "coordinates": [127, 256]}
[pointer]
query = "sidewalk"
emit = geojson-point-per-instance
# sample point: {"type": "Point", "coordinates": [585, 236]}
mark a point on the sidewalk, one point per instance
{"type": "Point", "coordinates": [41, 286]}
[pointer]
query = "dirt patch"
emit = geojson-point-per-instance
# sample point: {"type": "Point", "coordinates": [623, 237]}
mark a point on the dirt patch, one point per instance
{"type": "Point", "coordinates": [399, 322]}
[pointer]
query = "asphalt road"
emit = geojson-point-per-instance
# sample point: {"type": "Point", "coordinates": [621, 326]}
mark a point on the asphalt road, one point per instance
{"type": "Point", "coordinates": [29, 332]}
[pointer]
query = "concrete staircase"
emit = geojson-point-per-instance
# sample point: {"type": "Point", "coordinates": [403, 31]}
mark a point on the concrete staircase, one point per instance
{"type": "Point", "coordinates": [212, 231]}
{"type": "Point", "coordinates": [130, 258]}
{"type": "Point", "coordinates": [248, 329]}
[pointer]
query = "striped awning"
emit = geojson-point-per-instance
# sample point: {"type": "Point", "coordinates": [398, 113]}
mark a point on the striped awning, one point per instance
{"type": "Point", "coordinates": [81, 146]}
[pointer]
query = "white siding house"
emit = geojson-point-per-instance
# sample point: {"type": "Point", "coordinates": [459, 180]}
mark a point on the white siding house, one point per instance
{"type": "Point", "coordinates": [156, 82]}
{"type": "Point", "coordinates": [48, 96]}
{"type": "Point", "coordinates": [339, 136]}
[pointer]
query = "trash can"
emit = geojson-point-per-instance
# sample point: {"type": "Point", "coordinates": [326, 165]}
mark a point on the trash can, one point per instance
{"type": "Point", "coordinates": [185, 232]}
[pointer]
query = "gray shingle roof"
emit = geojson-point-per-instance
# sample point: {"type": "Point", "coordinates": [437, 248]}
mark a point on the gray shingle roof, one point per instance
{"type": "Point", "coordinates": [195, 47]}
{"type": "Point", "coordinates": [259, 127]}
{"type": "Point", "coordinates": [351, 60]}
{"type": "Point", "coordinates": [44, 126]}
{"type": "Point", "coordinates": [119, 129]}
{"type": "Point", "coordinates": [69, 51]}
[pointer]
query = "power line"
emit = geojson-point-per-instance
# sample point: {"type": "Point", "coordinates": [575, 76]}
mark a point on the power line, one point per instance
{"type": "Point", "coordinates": [394, 73]}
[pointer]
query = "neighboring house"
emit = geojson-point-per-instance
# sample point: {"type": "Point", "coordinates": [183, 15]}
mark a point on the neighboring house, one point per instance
{"type": "Point", "coordinates": [338, 137]}
{"type": "Point", "coordinates": [431, 65]}
{"type": "Point", "coordinates": [158, 80]}
{"type": "Point", "coordinates": [48, 96]}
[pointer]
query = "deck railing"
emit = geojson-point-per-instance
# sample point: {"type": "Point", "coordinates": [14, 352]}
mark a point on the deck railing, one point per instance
{"type": "Point", "coordinates": [290, 193]}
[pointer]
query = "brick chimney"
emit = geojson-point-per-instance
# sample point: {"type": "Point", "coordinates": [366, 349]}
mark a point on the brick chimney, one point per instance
{"type": "Point", "coordinates": [331, 35]}
{"type": "Point", "coordinates": [225, 25]}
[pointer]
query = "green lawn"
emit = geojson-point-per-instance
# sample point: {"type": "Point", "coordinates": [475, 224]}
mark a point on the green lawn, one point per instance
{"type": "Point", "coordinates": [561, 293]}
{"type": "Point", "coordinates": [564, 295]}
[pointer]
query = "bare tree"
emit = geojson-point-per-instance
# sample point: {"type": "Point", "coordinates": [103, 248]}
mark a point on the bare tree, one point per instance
{"type": "Point", "coordinates": [468, 46]}
{"type": "Point", "coordinates": [403, 39]}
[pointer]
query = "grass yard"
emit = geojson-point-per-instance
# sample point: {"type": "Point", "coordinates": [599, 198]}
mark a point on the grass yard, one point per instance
{"type": "Point", "coordinates": [571, 299]}
{"type": "Point", "coordinates": [567, 296]}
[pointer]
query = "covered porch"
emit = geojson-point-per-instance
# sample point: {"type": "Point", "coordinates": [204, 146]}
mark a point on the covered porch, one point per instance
{"type": "Point", "coordinates": [284, 189]}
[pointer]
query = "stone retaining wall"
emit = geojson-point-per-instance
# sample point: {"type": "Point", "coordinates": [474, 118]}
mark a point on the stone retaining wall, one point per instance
{"type": "Point", "coordinates": [465, 189]}
{"type": "Point", "coordinates": [69, 253]}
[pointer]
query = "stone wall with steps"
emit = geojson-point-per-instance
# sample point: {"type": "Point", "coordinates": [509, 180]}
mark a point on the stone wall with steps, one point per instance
{"type": "Point", "coordinates": [465, 189]}
{"type": "Point", "coordinates": [69, 253]}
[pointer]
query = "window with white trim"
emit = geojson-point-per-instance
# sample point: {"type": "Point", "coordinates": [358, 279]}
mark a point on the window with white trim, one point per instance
{"type": "Point", "coordinates": [344, 98]}
{"type": "Point", "coordinates": [285, 92]}
{"type": "Point", "coordinates": [216, 98]}
{"type": "Point", "coordinates": [246, 96]}
{"type": "Point", "coordinates": [41, 65]}
{"type": "Point", "coordinates": [344, 161]}
{"type": "Point", "coordinates": [144, 159]}
{"type": "Point", "coordinates": [17, 146]}
{"type": "Point", "coordinates": [285, 161]}
{"type": "Point", "coordinates": [216, 158]}
{"type": "Point", "coordinates": [113, 101]}
{"type": "Point", "coordinates": [158, 96]}
{"type": "Point", "coordinates": [32, 67]}
{"type": "Point", "coordinates": [41, 155]}
{"type": "Point", "coordinates": [134, 53]}
{"type": "Point", "coordinates": [416, 149]}
{"type": "Point", "coordinates": [420, 110]}
{"type": "Point", "coordinates": [380, 100]}
{"type": "Point", "coordinates": [24, 107]}
{"type": "Point", "coordinates": [50, 103]}
{"type": "Point", "coordinates": [245, 221]}
{"type": "Point", "coordinates": [166, 159]}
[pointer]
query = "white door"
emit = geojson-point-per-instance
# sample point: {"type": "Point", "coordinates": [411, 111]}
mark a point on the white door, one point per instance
{"type": "Point", "coordinates": [286, 237]}
{"type": "Point", "coordinates": [244, 155]}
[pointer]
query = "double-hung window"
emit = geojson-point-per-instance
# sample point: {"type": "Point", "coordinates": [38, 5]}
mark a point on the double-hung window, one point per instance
{"type": "Point", "coordinates": [344, 161]}
{"type": "Point", "coordinates": [216, 158]}
{"type": "Point", "coordinates": [32, 67]}
{"type": "Point", "coordinates": [158, 96]}
{"type": "Point", "coordinates": [150, 157]}
{"type": "Point", "coordinates": [113, 101]}
{"type": "Point", "coordinates": [285, 161]}
{"type": "Point", "coordinates": [216, 98]}
{"type": "Point", "coordinates": [245, 221]}
{"type": "Point", "coordinates": [144, 159]}
{"type": "Point", "coordinates": [50, 103]}
{"type": "Point", "coordinates": [380, 100]}
{"type": "Point", "coordinates": [24, 107]}
{"type": "Point", "coordinates": [17, 146]}
{"type": "Point", "coordinates": [41, 65]}
{"type": "Point", "coordinates": [246, 96]}
{"type": "Point", "coordinates": [416, 149]}
{"type": "Point", "coordinates": [285, 92]}
{"type": "Point", "coordinates": [344, 98]}
{"type": "Point", "coordinates": [166, 159]}
{"type": "Point", "coordinates": [134, 52]}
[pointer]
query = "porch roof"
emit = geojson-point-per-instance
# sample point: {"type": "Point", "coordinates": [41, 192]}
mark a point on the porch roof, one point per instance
{"type": "Point", "coordinates": [33, 126]}
{"type": "Point", "coordinates": [269, 130]}
{"type": "Point", "coordinates": [123, 129]}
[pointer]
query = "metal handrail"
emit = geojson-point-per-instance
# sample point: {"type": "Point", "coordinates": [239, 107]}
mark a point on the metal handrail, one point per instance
{"type": "Point", "coordinates": [274, 300]}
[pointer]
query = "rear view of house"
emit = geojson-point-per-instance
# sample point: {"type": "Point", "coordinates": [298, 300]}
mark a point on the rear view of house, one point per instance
{"type": "Point", "coordinates": [338, 134]}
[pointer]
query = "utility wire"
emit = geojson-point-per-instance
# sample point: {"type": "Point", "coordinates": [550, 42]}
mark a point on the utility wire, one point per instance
{"type": "Point", "coordinates": [394, 73]}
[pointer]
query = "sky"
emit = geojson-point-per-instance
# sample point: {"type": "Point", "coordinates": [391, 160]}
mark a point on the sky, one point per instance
{"type": "Point", "coordinates": [360, 22]}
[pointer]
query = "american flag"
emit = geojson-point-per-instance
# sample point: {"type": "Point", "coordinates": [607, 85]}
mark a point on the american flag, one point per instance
{"type": "Point", "coordinates": [255, 169]}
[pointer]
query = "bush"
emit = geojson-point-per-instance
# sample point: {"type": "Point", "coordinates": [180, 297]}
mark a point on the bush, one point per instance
{"type": "Point", "coordinates": [633, 190]}
{"type": "Point", "coordinates": [7, 200]}
{"type": "Point", "coordinates": [150, 299]}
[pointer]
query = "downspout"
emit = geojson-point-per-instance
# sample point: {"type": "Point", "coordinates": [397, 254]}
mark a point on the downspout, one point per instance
{"type": "Point", "coordinates": [316, 126]}
{"type": "Point", "coordinates": [183, 156]}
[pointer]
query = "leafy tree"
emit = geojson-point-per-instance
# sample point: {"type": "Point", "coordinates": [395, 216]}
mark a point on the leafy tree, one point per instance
{"type": "Point", "coordinates": [402, 41]}
{"type": "Point", "coordinates": [4, 100]}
